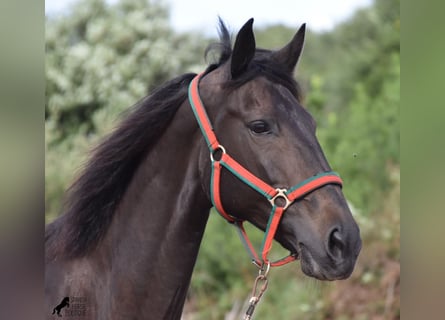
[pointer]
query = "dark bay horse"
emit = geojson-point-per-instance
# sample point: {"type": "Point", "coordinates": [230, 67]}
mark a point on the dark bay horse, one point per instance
{"type": "Point", "coordinates": [133, 220]}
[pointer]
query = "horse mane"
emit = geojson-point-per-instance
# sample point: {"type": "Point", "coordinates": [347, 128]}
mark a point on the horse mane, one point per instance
{"type": "Point", "coordinates": [93, 197]}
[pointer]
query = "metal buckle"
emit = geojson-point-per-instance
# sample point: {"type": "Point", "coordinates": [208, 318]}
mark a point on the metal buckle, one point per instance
{"type": "Point", "coordinates": [281, 193]}
{"type": "Point", "coordinates": [264, 270]}
{"type": "Point", "coordinates": [212, 152]}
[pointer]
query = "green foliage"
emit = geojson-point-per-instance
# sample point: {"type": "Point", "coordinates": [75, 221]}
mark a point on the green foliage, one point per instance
{"type": "Point", "coordinates": [354, 94]}
{"type": "Point", "coordinates": [353, 52]}
{"type": "Point", "coordinates": [273, 37]}
{"type": "Point", "coordinates": [363, 142]}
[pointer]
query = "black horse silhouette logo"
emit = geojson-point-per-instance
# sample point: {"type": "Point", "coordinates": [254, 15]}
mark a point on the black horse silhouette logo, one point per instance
{"type": "Point", "coordinates": [65, 303]}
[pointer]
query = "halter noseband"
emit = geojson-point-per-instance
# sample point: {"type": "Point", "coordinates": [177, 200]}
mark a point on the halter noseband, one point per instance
{"type": "Point", "coordinates": [271, 194]}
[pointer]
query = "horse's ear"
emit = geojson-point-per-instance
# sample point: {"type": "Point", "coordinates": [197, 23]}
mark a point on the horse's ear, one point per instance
{"type": "Point", "coordinates": [244, 49]}
{"type": "Point", "coordinates": [289, 54]}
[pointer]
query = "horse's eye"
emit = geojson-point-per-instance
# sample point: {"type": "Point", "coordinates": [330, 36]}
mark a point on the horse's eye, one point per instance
{"type": "Point", "coordinates": [259, 127]}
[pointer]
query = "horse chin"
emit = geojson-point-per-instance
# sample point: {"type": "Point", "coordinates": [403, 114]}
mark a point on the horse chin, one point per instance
{"type": "Point", "coordinates": [312, 268]}
{"type": "Point", "coordinates": [308, 264]}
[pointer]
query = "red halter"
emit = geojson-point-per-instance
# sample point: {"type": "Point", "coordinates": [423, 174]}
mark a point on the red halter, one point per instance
{"type": "Point", "coordinates": [272, 194]}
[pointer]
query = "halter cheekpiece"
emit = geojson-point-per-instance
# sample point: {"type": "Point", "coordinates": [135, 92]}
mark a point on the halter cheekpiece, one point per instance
{"type": "Point", "coordinates": [280, 199]}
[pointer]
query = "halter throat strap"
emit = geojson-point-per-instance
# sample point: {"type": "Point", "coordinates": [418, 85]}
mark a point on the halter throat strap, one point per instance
{"type": "Point", "coordinates": [280, 199]}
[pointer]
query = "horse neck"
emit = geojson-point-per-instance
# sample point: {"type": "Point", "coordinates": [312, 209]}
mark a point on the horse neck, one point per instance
{"type": "Point", "coordinates": [155, 236]}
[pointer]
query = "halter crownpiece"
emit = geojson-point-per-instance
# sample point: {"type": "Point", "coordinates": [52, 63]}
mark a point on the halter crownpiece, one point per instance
{"type": "Point", "coordinates": [288, 196]}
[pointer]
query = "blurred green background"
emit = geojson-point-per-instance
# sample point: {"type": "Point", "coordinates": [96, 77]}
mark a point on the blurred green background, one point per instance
{"type": "Point", "coordinates": [100, 59]}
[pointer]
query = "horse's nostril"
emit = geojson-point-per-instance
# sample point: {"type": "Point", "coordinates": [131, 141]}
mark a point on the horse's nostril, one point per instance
{"type": "Point", "coordinates": [335, 244]}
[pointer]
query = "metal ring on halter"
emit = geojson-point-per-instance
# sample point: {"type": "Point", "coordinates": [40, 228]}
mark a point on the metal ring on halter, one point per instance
{"type": "Point", "coordinates": [263, 272]}
{"type": "Point", "coordinates": [281, 193]}
{"type": "Point", "coordinates": [219, 147]}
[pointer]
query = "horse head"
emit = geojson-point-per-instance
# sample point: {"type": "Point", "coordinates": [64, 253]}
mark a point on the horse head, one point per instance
{"type": "Point", "coordinates": [254, 106]}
